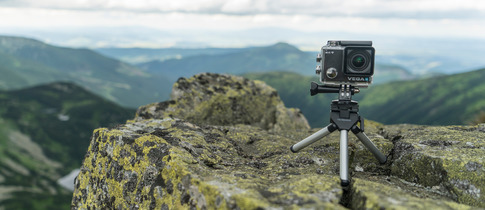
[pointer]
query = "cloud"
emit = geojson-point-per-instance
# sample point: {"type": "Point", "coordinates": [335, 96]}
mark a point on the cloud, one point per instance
{"type": "Point", "coordinates": [421, 9]}
{"type": "Point", "coordinates": [223, 22]}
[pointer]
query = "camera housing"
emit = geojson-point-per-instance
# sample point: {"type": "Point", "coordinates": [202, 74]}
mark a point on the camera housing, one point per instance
{"type": "Point", "coordinates": [346, 63]}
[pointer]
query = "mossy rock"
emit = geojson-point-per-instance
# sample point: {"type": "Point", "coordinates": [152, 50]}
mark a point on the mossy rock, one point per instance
{"type": "Point", "coordinates": [175, 164]}
{"type": "Point", "coordinates": [216, 99]}
{"type": "Point", "coordinates": [171, 163]}
{"type": "Point", "coordinates": [373, 195]}
{"type": "Point", "coordinates": [448, 158]}
{"type": "Point", "coordinates": [174, 155]}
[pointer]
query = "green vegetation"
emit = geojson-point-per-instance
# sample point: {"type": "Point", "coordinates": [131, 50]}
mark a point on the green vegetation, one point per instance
{"type": "Point", "coordinates": [60, 118]}
{"type": "Point", "coordinates": [27, 62]}
{"type": "Point", "coordinates": [44, 134]}
{"type": "Point", "coordinates": [444, 100]}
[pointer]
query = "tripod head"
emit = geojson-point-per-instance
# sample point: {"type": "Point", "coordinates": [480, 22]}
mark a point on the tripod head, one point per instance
{"type": "Point", "coordinates": [345, 91]}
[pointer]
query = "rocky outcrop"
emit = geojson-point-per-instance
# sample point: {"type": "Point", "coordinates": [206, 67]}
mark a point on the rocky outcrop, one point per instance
{"type": "Point", "coordinates": [226, 100]}
{"type": "Point", "coordinates": [170, 158]}
{"type": "Point", "coordinates": [449, 160]}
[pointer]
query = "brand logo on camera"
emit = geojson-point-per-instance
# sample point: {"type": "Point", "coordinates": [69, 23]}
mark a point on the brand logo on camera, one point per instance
{"type": "Point", "coordinates": [358, 79]}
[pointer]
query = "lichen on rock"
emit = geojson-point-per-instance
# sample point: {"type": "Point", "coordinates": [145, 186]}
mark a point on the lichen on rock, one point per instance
{"type": "Point", "coordinates": [449, 158]}
{"type": "Point", "coordinates": [169, 157]}
{"type": "Point", "coordinates": [173, 163]}
{"type": "Point", "coordinates": [226, 100]}
{"type": "Point", "coordinates": [371, 195]}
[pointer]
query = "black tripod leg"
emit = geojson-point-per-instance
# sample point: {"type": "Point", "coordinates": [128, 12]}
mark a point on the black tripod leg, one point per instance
{"type": "Point", "coordinates": [368, 143]}
{"type": "Point", "coordinates": [313, 138]}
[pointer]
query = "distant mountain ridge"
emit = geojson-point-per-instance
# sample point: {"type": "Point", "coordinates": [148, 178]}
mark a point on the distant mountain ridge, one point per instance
{"type": "Point", "coordinates": [277, 57]}
{"type": "Point", "coordinates": [143, 55]}
{"type": "Point", "coordinates": [27, 62]}
{"type": "Point", "coordinates": [44, 134]}
{"type": "Point", "coordinates": [280, 56]}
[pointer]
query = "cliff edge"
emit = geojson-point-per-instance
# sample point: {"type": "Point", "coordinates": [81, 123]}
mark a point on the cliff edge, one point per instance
{"type": "Point", "coordinates": [223, 141]}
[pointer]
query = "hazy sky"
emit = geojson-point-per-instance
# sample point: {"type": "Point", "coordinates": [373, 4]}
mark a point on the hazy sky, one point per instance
{"type": "Point", "coordinates": [201, 18]}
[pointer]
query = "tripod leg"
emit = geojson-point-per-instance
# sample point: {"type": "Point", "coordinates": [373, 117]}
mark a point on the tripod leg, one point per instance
{"type": "Point", "coordinates": [344, 158]}
{"type": "Point", "coordinates": [313, 138]}
{"type": "Point", "coordinates": [368, 143]}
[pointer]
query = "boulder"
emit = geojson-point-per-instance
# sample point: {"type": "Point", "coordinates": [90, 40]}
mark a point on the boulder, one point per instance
{"type": "Point", "coordinates": [216, 99]}
{"type": "Point", "coordinates": [171, 158]}
{"type": "Point", "coordinates": [447, 159]}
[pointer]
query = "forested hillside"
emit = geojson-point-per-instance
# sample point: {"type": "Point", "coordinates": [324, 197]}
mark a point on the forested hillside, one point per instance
{"type": "Point", "coordinates": [444, 100]}
{"type": "Point", "coordinates": [44, 134]}
{"type": "Point", "coordinates": [26, 62]}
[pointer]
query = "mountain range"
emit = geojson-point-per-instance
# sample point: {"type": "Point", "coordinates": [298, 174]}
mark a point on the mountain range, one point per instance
{"type": "Point", "coordinates": [280, 56]}
{"type": "Point", "coordinates": [27, 62]}
{"type": "Point", "coordinates": [418, 54]}
{"type": "Point", "coordinates": [176, 62]}
{"type": "Point", "coordinates": [144, 55]}
{"type": "Point", "coordinates": [44, 134]}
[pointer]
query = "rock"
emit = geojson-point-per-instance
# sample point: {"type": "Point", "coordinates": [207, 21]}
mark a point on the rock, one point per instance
{"type": "Point", "coordinates": [371, 195]}
{"type": "Point", "coordinates": [182, 160]}
{"type": "Point", "coordinates": [173, 163]}
{"type": "Point", "coordinates": [226, 100]}
{"type": "Point", "coordinates": [449, 158]}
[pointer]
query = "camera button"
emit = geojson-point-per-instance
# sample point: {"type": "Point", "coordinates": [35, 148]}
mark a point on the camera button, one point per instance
{"type": "Point", "coordinates": [318, 70]}
{"type": "Point", "coordinates": [332, 73]}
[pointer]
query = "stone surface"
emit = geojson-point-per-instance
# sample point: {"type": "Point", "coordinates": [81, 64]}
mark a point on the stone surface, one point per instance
{"type": "Point", "coordinates": [226, 100]}
{"type": "Point", "coordinates": [184, 161]}
{"type": "Point", "coordinates": [173, 163]}
{"type": "Point", "coordinates": [449, 159]}
{"type": "Point", "coordinates": [371, 195]}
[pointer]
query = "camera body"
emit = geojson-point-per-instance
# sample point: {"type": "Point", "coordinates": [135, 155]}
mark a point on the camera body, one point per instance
{"type": "Point", "coordinates": [346, 63]}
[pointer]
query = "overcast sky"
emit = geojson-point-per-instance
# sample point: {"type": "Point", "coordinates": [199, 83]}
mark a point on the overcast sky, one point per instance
{"type": "Point", "coordinates": [401, 18]}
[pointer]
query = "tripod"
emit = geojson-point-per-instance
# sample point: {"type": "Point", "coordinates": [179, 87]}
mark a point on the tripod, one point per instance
{"type": "Point", "coordinates": [344, 116]}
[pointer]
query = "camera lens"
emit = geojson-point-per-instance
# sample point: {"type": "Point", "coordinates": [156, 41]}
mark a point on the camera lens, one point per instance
{"type": "Point", "coordinates": [358, 60]}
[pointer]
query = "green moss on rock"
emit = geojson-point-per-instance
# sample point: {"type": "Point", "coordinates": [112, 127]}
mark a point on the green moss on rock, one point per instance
{"type": "Point", "coordinates": [150, 164]}
{"type": "Point", "coordinates": [171, 163]}
{"type": "Point", "coordinates": [222, 142]}
{"type": "Point", "coordinates": [226, 100]}
{"type": "Point", "coordinates": [372, 195]}
{"type": "Point", "coordinates": [448, 158]}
